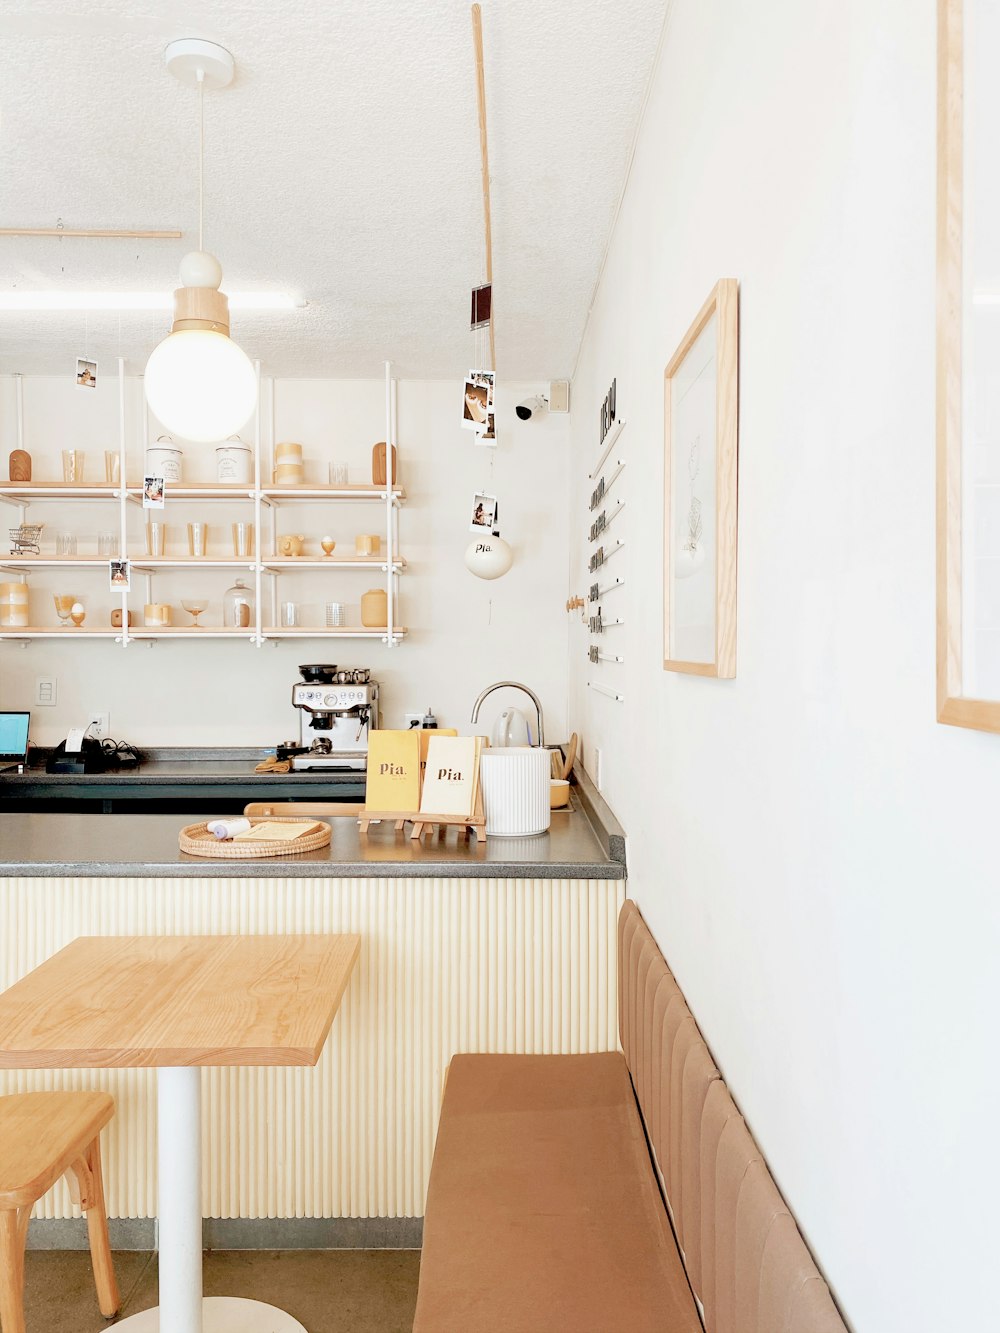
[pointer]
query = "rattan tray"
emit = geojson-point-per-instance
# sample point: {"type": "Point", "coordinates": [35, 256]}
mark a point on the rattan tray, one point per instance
{"type": "Point", "coordinates": [197, 841]}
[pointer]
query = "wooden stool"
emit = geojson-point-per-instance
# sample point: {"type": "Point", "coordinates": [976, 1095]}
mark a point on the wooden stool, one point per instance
{"type": "Point", "coordinates": [44, 1135]}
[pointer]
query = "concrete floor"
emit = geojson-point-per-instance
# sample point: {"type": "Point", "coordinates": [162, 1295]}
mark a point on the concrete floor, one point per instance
{"type": "Point", "coordinates": [329, 1291]}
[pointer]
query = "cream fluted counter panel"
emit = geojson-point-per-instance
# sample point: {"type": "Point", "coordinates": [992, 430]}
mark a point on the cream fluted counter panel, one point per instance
{"type": "Point", "coordinates": [448, 963]}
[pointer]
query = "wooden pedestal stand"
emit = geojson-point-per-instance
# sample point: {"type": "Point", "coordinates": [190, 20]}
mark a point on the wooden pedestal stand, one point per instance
{"type": "Point", "coordinates": [474, 823]}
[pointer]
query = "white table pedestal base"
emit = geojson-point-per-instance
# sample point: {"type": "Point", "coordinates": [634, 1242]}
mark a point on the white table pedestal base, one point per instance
{"type": "Point", "coordinates": [223, 1314]}
{"type": "Point", "coordinates": [182, 1308]}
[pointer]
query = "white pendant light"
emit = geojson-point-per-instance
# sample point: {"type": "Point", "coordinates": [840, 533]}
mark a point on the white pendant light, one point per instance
{"type": "Point", "coordinates": [488, 557]}
{"type": "Point", "coordinates": [199, 384]}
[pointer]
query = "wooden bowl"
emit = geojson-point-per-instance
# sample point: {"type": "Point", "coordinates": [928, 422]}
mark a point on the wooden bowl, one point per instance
{"type": "Point", "coordinates": [558, 793]}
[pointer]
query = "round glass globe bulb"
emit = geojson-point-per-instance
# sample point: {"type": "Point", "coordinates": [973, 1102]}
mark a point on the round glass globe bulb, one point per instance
{"type": "Point", "coordinates": [488, 557]}
{"type": "Point", "coordinates": [200, 385]}
{"type": "Point", "coordinates": [201, 269]}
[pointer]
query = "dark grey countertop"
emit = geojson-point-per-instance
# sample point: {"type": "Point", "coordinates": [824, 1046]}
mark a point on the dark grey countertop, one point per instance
{"type": "Point", "coordinates": [177, 766]}
{"type": "Point", "coordinates": [137, 846]}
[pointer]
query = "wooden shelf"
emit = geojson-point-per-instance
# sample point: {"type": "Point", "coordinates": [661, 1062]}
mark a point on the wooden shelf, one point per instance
{"type": "Point", "coordinates": [148, 562]}
{"type": "Point", "coordinates": [26, 563]}
{"type": "Point", "coordinates": [331, 562]}
{"type": "Point", "coordinates": [320, 632]}
{"type": "Point", "coordinates": [58, 490]}
{"type": "Point", "coordinates": [304, 492]}
{"type": "Point", "coordinates": [190, 632]}
{"type": "Point", "coordinates": [57, 632]}
{"type": "Point", "coordinates": [219, 490]}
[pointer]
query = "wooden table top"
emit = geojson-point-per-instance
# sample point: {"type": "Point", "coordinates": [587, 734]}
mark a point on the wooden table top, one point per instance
{"type": "Point", "coordinates": [138, 1001]}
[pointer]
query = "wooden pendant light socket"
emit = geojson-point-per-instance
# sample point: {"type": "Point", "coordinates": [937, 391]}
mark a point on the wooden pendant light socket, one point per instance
{"type": "Point", "coordinates": [201, 308]}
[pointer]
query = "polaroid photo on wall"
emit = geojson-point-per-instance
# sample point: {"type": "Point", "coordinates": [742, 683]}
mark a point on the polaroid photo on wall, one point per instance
{"type": "Point", "coordinates": [86, 373]}
{"type": "Point", "coordinates": [484, 510]}
{"type": "Point", "coordinates": [478, 402]}
{"type": "Point", "coordinates": [488, 435]}
{"type": "Point", "coordinates": [476, 407]}
{"type": "Point", "coordinates": [120, 575]}
{"type": "Point", "coordinates": [482, 305]}
{"type": "Point", "coordinates": [153, 492]}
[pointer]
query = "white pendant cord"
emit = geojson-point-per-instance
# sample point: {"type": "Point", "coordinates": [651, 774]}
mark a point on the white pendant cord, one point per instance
{"type": "Point", "coordinates": [201, 159]}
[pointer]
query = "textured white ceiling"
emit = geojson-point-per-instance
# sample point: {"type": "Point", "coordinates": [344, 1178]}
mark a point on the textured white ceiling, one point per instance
{"type": "Point", "coordinates": [342, 164]}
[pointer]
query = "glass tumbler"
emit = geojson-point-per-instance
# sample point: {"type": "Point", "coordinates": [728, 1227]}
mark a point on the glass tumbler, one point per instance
{"type": "Point", "coordinates": [65, 544]}
{"type": "Point", "coordinates": [197, 538]}
{"type": "Point", "coordinates": [72, 461]}
{"type": "Point", "coordinates": [289, 614]}
{"type": "Point", "coordinates": [112, 466]}
{"type": "Point", "coordinates": [107, 544]}
{"type": "Point", "coordinates": [243, 539]}
{"type": "Point", "coordinates": [338, 474]}
{"type": "Point", "coordinates": [156, 537]}
{"type": "Point", "coordinates": [336, 615]}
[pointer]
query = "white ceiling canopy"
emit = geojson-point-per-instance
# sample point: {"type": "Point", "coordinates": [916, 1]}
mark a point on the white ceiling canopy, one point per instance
{"type": "Point", "coordinates": [342, 167]}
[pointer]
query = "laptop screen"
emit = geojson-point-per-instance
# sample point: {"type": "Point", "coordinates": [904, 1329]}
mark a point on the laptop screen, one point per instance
{"type": "Point", "coordinates": [13, 737]}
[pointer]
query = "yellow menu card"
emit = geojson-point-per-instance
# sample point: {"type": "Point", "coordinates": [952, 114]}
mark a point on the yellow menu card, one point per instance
{"type": "Point", "coordinates": [393, 778]}
{"type": "Point", "coordinates": [450, 777]}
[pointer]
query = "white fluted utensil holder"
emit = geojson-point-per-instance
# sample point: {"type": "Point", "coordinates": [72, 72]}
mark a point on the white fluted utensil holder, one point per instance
{"type": "Point", "coordinates": [515, 783]}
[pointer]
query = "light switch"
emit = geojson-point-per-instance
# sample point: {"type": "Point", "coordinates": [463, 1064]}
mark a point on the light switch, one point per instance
{"type": "Point", "coordinates": [45, 691]}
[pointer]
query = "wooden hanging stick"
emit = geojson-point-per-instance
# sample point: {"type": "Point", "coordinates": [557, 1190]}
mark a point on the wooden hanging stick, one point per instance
{"type": "Point", "coordinates": [71, 231]}
{"type": "Point", "coordinates": [477, 38]}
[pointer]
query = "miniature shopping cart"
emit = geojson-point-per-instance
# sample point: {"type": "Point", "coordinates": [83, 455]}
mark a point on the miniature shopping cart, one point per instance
{"type": "Point", "coordinates": [24, 539]}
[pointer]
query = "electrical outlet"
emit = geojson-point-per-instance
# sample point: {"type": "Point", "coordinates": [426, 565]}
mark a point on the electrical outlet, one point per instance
{"type": "Point", "coordinates": [597, 775]}
{"type": "Point", "coordinates": [413, 719]}
{"type": "Point", "coordinates": [100, 727]}
{"type": "Point", "coordinates": [45, 691]}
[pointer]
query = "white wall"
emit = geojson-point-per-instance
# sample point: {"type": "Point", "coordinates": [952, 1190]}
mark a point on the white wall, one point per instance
{"type": "Point", "coordinates": [814, 853]}
{"type": "Point", "coordinates": [464, 632]}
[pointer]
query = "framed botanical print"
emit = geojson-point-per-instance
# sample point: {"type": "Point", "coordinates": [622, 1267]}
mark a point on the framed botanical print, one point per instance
{"type": "Point", "coordinates": [968, 366]}
{"type": "Point", "coordinates": [701, 414]}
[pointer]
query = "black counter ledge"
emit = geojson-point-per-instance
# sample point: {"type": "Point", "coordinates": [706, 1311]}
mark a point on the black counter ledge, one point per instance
{"type": "Point", "coordinates": [145, 846]}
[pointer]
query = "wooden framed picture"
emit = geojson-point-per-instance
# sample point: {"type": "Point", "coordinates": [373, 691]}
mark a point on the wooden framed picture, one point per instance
{"type": "Point", "coordinates": [968, 352]}
{"type": "Point", "coordinates": [701, 413]}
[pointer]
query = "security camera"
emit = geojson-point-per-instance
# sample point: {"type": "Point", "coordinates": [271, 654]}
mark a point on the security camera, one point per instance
{"type": "Point", "coordinates": [530, 406]}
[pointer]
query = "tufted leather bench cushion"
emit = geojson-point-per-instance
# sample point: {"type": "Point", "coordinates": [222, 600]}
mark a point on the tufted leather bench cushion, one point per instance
{"type": "Point", "coordinates": [543, 1213]}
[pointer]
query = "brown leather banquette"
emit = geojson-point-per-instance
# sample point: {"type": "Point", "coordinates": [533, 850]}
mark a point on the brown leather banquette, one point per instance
{"type": "Point", "coordinates": [544, 1213]}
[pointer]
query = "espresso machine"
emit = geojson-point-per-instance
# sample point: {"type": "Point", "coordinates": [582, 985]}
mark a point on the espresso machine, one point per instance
{"type": "Point", "coordinates": [337, 709]}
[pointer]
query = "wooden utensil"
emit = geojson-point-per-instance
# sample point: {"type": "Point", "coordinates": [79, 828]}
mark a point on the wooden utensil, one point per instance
{"type": "Point", "coordinates": [378, 464]}
{"type": "Point", "coordinates": [571, 750]}
{"type": "Point", "coordinates": [20, 465]}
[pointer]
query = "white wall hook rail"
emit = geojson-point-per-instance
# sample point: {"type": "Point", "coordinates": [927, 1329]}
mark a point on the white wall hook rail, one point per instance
{"type": "Point", "coordinates": [606, 690]}
{"type": "Point", "coordinates": [609, 444]}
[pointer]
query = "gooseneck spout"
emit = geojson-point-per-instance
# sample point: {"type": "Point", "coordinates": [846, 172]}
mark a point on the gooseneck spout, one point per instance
{"type": "Point", "coordinates": [513, 685]}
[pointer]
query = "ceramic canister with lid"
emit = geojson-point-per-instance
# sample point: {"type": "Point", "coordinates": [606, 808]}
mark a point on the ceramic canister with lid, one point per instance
{"type": "Point", "coordinates": [289, 470]}
{"type": "Point", "coordinates": [14, 604]}
{"type": "Point", "coordinates": [163, 459]}
{"type": "Point", "coordinates": [234, 461]}
{"type": "Point", "coordinates": [375, 608]}
{"type": "Point", "coordinates": [515, 783]}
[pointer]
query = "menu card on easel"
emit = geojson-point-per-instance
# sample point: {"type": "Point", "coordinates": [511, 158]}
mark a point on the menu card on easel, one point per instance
{"type": "Point", "coordinates": [425, 735]}
{"type": "Point", "coordinates": [393, 775]}
{"type": "Point", "coordinates": [450, 779]}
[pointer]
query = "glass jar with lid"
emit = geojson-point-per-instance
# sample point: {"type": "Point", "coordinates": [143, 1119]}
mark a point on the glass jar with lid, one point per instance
{"type": "Point", "coordinates": [238, 606]}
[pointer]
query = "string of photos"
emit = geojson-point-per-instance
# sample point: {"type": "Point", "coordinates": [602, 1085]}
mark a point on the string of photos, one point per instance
{"type": "Point", "coordinates": [607, 541]}
{"type": "Point", "coordinates": [488, 556]}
